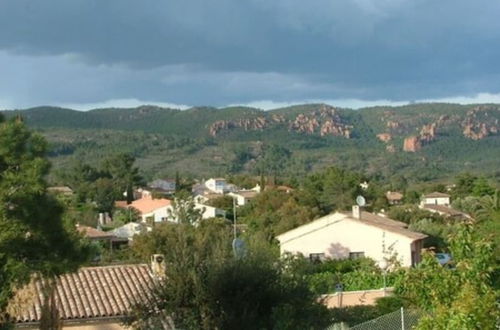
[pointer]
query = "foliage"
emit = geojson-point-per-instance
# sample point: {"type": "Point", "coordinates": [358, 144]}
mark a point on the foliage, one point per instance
{"type": "Point", "coordinates": [225, 203]}
{"type": "Point", "coordinates": [123, 174]}
{"type": "Point", "coordinates": [273, 160]}
{"type": "Point", "coordinates": [184, 209]}
{"type": "Point", "coordinates": [332, 189]}
{"type": "Point", "coordinates": [165, 140]}
{"type": "Point", "coordinates": [462, 297]}
{"type": "Point", "coordinates": [207, 288]}
{"type": "Point", "coordinates": [273, 212]}
{"type": "Point", "coordinates": [353, 315]}
{"type": "Point", "coordinates": [33, 237]}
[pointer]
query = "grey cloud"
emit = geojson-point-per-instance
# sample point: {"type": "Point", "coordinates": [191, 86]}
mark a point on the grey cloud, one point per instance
{"type": "Point", "coordinates": [225, 51]}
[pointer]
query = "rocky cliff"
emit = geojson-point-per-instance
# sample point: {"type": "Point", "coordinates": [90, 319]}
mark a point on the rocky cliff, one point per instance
{"type": "Point", "coordinates": [323, 121]}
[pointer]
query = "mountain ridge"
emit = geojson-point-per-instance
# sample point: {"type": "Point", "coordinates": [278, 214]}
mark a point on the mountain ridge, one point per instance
{"type": "Point", "coordinates": [443, 135]}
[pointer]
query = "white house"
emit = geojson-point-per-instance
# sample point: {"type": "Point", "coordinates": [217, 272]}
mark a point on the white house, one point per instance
{"type": "Point", "coordinates": [150, 208]}
{"type": "Point", "coordinates": [353, 235]}
{"type": "Point", "coordinates": [436, 198]}
{"type": "Point", "coordinates": [209, 211]}
{"type": "Point", "coordinates": [445, 211]}
{"type": "Point", "coordinates": [219, 185]}
{"type": "Point", "coordinates": [130, 229]}
{"type": "Point", "coordinates": [243, 197]}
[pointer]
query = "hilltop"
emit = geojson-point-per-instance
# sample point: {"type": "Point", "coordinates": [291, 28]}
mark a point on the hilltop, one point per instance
{"type": "Point", "coordinates": [420, 141]}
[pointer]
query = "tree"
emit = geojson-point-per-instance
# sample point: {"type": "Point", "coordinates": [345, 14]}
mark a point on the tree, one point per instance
{"type": "Point", "coordinates": [184, 209]}
{"type": "Point", "coordinates": [207, 288]}
{"type": "Point", "coordinates": [103, 194]}
{"type": "Point", "coordinates": [124, 174]}
{"type": "Point", "coordinates": [458, 298]}
{"type": "Point", "coordinates": [33, 238]}
{"type": "Point", "coordinates": [482, 188]}
{"type": "Point", "coordinates": [273, 161]}
{"type": "Point", "coordinates": [332, 189]}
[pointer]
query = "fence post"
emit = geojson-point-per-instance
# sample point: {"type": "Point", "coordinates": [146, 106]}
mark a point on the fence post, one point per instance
{"type": "Point", "coordinates": [402, 319]}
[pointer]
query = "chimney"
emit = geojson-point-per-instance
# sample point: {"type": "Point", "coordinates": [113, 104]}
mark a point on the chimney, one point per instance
{"type": "Point", "coordinates": [356, 212]}
{"type": "Point", "coordinates": [158, 265]}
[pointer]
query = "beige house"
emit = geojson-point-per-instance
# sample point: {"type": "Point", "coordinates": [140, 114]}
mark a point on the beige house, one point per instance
{"type": "Point", "coordinates": [436, 198]}
{"type": "Point", "coordinates": [394, 197]}
{"type": "Point", "coordinates": [243, 197]}
{"type": "Point", "coordinates": [353, 235]}
{"type": "Point", "coordinates": [445, 211]}
{"type": "Point", "coordinates": [94, 298]}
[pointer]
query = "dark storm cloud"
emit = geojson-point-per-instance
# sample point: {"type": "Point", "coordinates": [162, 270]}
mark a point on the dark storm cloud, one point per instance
{"type": "Point", "coordinates": [226, 51]}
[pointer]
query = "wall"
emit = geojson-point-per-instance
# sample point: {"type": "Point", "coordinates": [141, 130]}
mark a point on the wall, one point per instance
{"type": "Point", "coordinates": [437, 201]}
{"type": "Point", "coordinates": [354, 298]}
{"type": "Point", "coordinates": [158, 214]}
{"type": "Point", "coordinates": [96, 326]}
{"type": "Point", "coordinates": [336, 236]}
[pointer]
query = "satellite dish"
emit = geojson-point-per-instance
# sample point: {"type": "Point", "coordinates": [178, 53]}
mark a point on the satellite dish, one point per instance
{"type": "Point", "coordinates": [360, 200]}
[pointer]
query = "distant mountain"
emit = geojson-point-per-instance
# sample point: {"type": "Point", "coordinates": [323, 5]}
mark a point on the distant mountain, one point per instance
{"type": "Point", "coordinates": [448, 137]}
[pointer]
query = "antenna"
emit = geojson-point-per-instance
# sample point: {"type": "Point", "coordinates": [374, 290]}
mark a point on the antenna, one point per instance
{"type": "Point", "coordinates": [361, 201]}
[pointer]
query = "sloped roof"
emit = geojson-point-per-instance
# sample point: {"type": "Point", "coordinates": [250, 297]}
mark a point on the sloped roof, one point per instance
{"type": "Point", "coordinates": [366, 218]}
{"type": "Point", "coordinates": [394, 196]}
{"type": "Point", "coordinates": [388, 224]}
{"type": "Point", "coordinates": [444, 209]}
{"type": "Point", "coordinates": [436, 195]}
{"type": "Point", "coordinates": [93, 233]}
{"type": "Point", "coordinates": [91, 293]}
{"type": "Point", "coordinates": [148, 204]}
{"type": "Point", "coordinates": [247, 193]}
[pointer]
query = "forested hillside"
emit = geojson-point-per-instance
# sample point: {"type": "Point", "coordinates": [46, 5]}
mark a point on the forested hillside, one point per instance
{"type": "Point", "coordinates": [421, 142]}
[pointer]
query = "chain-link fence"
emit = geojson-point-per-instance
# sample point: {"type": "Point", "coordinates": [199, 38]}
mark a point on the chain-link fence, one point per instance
{"type": "Point", "coordinates": [398, 320]}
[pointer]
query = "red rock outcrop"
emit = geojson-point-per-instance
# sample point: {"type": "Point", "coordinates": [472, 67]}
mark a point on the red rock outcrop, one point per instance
{"type": "Point", "coordinates": [384, 137]}
{"type": "Point", "coordinates": [326, 120]}
{"type": "Point", "coordinates": [428, 133]}
{"type": "Point", "coordinates": [258, 123]}
{"type": "Point", "coordinates": [390, 148]}
{"type": "Point", "coordinates": [478, 124]}
{"type": "Point", "coordinates": [412, 144]}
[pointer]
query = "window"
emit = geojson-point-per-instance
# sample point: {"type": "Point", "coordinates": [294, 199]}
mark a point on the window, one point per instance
{"type": "Point", "coordinates": [356, 255]}
{"type": "Point", "coordinates": [316, 256]}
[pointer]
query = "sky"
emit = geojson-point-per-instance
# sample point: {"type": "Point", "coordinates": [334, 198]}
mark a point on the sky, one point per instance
{"type": "Point", "coordinates": [87, 54]}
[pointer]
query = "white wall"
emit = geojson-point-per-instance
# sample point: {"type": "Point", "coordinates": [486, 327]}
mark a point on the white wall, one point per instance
{"type": "Point", "coordinates": [159, 215]}
{"type": "Point", "coordinates": [209, 211]}
{"type": "Point", "coordinates": [437, 201]}
{"type": "Point", "coordinates": [218, 186]}
{"type": "Point", "coordinates": [240, 200]}
{"type": "Point", "coordinates": [342, 236]}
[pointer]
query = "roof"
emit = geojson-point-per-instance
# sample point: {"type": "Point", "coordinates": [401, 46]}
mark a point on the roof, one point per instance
{"type": "Point", "coordinates": [388, 224]}
{"type": "Point", "coordinates": [148, 204]}
{"type": "Point", "coordinates": [61, 189]}
{"type": "Point", "coordinates": [92, 233]}
{"type": "Point", "coordinates": [436, 195]}
{"type": "Point", "coordinates": [89, 294]}
{"type": "Point", "coordinates": [444, 209]}
{"type": "Point", "coordinates": [367, 218]}
{"type": "Point", "coordinates": [394, 195]}
{"type": "Point", "coordinates": [130, 229]}
{"type": "Point", "coordinates": [121, 204]}
{"type": "Point", "coordinates": [247, 193]}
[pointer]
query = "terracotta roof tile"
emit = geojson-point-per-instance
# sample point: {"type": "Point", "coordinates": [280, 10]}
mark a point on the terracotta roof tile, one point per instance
{"type": "Point", "coordinates": [93, 233]}
{"type": "Point", "coordinates": [90, 293]}
{"type": "Point", "coordinates": [147, 205]}
{"type": "Point", "coordinates": [436, 195]}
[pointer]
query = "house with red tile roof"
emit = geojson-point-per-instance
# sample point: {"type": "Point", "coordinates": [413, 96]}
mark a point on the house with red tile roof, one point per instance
{"type": "Point", "coordinates": [92, 298]}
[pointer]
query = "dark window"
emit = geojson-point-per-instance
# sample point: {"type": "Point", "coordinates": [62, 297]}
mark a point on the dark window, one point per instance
{"type": "Point", "coordinates": [356, 255]}
{"type": "Point", "coordinates": [316, 256]}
